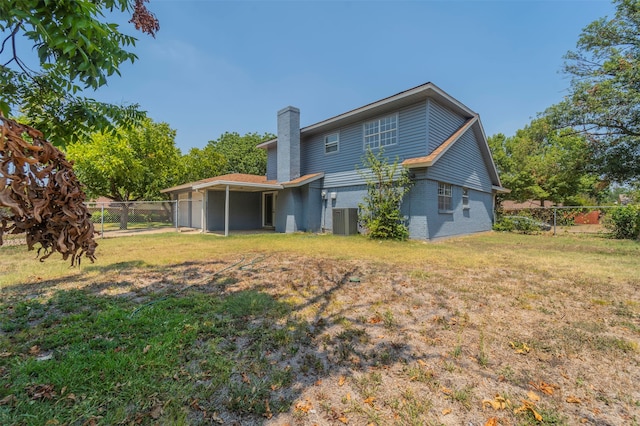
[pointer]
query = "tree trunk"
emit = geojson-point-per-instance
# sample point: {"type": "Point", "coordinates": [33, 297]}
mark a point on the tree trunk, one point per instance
{"type": "Point", "coordinates": [124, 216]}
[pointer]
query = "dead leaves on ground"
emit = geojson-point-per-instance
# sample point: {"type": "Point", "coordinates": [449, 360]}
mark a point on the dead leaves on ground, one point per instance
{"type": "Point", "coordinates": [543, 387]}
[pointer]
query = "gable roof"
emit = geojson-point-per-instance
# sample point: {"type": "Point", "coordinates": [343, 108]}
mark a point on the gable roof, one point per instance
{"type": "Point", "coordinates": [475, 125]}
{"type": "Point", "coordinates": [430, 159]}
{"type": "Point", "coordinates": [391, 103]}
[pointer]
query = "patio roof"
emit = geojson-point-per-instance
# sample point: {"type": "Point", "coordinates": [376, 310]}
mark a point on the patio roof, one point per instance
{"type": "Point", "coordinates": [244, 183]}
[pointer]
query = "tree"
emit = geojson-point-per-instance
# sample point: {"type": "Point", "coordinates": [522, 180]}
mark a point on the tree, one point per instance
{"type": "Point", "coordinates": [541, 163]}
{"type": "Point", "coordinates": [134, 165]}
{"type": "Point", "coordinates": [387, 185]}
{"type": "Point", "coordinates": [241, 153]}
{"type": "Point", "coordinates": [604, 98]}
{"type": "Point", "coordinates": [75, 51]}
{"type": "Point", "coordinates": [202, 163]}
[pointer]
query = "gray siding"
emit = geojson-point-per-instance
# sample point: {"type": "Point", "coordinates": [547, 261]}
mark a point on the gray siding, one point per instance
{"type": "Point", "coordinates": [346, 197]}
{"type": "Point", "coordinates": [272, 163]}
{"type": "Point", "coordinates": [412, 142]}
{"type": "Point", "coordinates": [477, 218]}
{"type": "Point", "coordinates": [245, 210]}
{"type": "Point", "coordinates": [442, 123]}
{"type": "Point", "coordinates": [463, 165]}
{"type": "Point", "coordinates": [288, 210]}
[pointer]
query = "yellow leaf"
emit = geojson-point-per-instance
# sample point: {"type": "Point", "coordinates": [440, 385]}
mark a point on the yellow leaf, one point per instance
{"type": "Point", "coordinates": [422, 363]}
{"type": "Point", "coordinates": [492, 422]}
{"type": "Point", "coordinates": [446, 411]}
{"type": "Point", "coordinates": [573, 400]}
{"type": "Point", "coordinates": [348, 397]}
{"type": "Point", "coordinates": [445, 390]}
{"type": "Point", "coordinates": [343, 419]}
{"type": "Point", "coordinates": [533, 396]}
{"type": "Point", "coordinates": [535, 414]}
{"type": "Point", "coordinates": [369, 400]}
{"type": "Point", "coordinates": [497, 403]}
{"type": "Point", "coordinates": [341, 380]}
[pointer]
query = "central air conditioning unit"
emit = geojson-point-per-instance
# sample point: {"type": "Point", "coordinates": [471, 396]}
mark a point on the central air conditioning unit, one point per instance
{"type": "Point", "coordinates": [345, 221]}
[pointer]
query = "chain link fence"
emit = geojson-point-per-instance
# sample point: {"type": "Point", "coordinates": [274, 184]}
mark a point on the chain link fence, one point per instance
{"type": "Point", "coordinates": [117, 218]}
{"type": "Point", "coordinates": [132, 216]}
{"type": "Point", "coordinates": [560, 219]}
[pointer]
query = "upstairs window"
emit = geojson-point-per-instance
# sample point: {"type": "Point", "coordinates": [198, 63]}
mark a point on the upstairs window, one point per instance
{"type": "Point", "coordinates": [381, 132]}
{"type": "Point", "coordinates": [444, 197]}
{"type": "Point", "coordinates": [331, 143]}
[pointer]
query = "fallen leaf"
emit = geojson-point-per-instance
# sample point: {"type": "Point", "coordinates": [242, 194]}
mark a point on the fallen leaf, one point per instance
{"type": "Point", "coordinates": [446, 411]}
{"type": "Point", "coordinates": [375, 320]}
{"type": "Point", "coordinates": [348, 397]}
{"type": "Point", "coordinates": [341, 380]}
{"type": "Point", "coordinates": [5, 354]}
{"type": "Point", "coordinates": [267, 410]}
{"type": "Point", "coordinates": [146, 349]}
{"type": "Point", "coordinates": [543, 387]}
{"type": "Point", "coordinates": [573, 400]}
{"type": "Point", "coordinates": [497, 403]}
{"type": "Point", "coordinates": [156, 412]}
{"type": "Point", "coordinates": [533, 396]}
{"type": "Point", "coordinates": [422, 363]}
{"type": "Point", "coordinates": [9, 399]}
{"type": "Point", "coordinates": [343, 419]}
{"type": "Point", "coordinates": [492, 422]}
{"type": "Point", "coordinates": [303, 407]}
{"type": "Point", "coordinates": [34, 350]}
{"type": "Point", "coordinates": [318, 382]}
{"type": "Point", "coordinates": [369, 400]}
{"type": "Point", "coordinates": [445, 390]}
{"type": "Point", "coordinates": [528, 406]}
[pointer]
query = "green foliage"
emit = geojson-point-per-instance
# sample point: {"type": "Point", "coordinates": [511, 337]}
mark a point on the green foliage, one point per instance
{"type": "Point", "coordinates": [133, 165]}
{"type": "Point", "coordinates": [387, 185]}
{"type": "Point", "coordinates": [230, 153]}
{"type": "Point", "coordinates": [75, 49]}
{"type": "Point", "coordinates": [202, 163]}
{"type": "Point", "coordinates": [240, 152]}
{"type": "Point", "coordinates": [624, 222]}
{"type": "Point", "coordinates": [605, 92]}
{"type": "Point", "coordinates": [520, 224]}
{"type": "Point", "coordinates": [541, 163]}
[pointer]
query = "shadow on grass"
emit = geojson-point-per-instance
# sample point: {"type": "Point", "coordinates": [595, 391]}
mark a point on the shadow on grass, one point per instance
{"type": "Point", "coordinates": [209, 342]}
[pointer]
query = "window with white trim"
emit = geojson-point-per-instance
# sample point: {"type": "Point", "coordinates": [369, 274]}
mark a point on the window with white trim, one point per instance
{"type": "Point", "coordinates": [465, 198]}
{"type": "Point", "coordinates": [331, 143]}
{"type": "Point", "coordinates": [444, 197]}
{"type": "Point", "coordinates": [381, 132]}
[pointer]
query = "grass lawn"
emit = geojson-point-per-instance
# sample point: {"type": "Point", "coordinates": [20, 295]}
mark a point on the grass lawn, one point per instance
{"type": "Point", "coordinates": [491, 329]}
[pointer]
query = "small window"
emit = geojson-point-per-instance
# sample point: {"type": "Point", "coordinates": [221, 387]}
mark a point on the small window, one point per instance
{"type": "Point", "coordinates": [381, 132]}
{"type": "Point", "coordinates": [465, 198]}
{"type": "Point", "coordinates": [331, 143]}
{"type": "Point", "coordinates": [444, 197]}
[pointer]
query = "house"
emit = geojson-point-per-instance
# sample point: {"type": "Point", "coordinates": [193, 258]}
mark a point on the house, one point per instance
{"type": "Point", "coordinates": [312, 171]}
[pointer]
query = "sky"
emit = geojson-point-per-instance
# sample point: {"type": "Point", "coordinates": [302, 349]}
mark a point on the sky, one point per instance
{"type": "Point", "coordinates": [229, 66]}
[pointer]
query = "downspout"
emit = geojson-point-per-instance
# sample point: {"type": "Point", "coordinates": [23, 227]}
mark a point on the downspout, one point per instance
{"type": "Point", "coordinates": [226, 211]}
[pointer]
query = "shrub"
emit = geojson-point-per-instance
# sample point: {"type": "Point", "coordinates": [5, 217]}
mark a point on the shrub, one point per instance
{"type": "Point", "coordinates": [387, 185]}
{"type": "Point", "coordinates": [624, 222]}
{"type": "Point", "coordinates": [522, 224]}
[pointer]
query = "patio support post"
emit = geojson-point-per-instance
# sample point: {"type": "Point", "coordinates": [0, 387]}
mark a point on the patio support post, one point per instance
{"type": "Point", "coordinates": [226, 211]}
